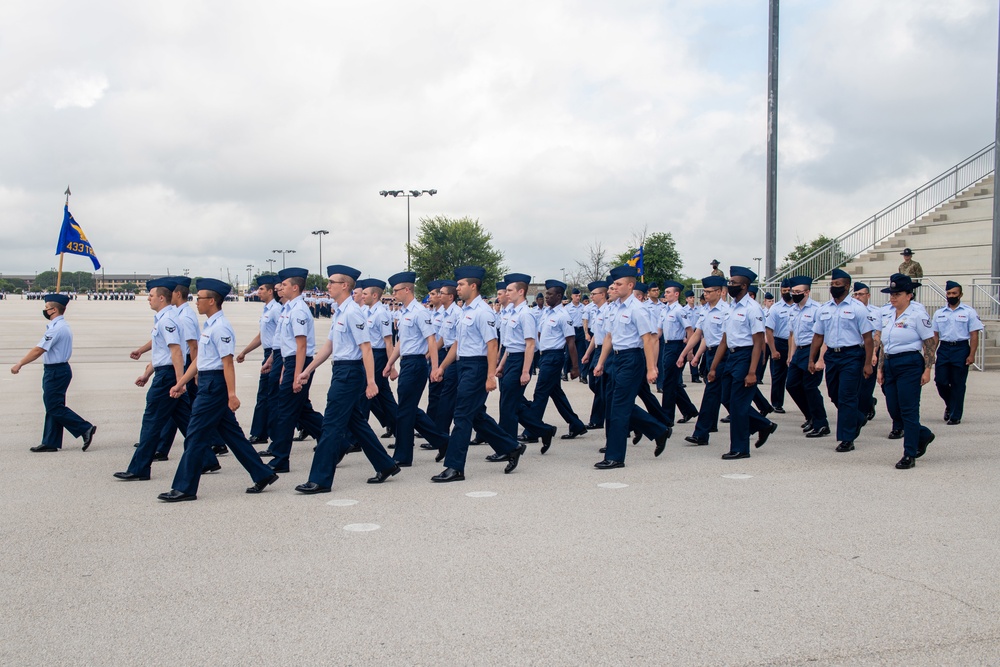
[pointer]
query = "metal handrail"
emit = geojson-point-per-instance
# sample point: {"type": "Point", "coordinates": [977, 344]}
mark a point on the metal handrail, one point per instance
{"type": "Point", "coordinates": [869, 233]}
{"type": "Point", "coordinates": [988, 307]}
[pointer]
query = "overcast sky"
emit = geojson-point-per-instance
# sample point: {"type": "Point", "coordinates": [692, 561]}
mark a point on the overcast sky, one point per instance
{"type": "Point", "coordinates": [203, 135]}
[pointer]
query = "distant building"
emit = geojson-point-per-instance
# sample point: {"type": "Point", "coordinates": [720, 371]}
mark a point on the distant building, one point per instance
{"type": "Point", "coordinates": [115, 282]}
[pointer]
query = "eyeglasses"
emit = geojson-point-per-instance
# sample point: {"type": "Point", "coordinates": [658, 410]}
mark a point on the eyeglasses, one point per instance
{"type": "Point", "coordinates": [337, 282]}
{"type": "Point", "coordinates": [202, 298]}
{"type": "Point", "coordinates": [397, 290]}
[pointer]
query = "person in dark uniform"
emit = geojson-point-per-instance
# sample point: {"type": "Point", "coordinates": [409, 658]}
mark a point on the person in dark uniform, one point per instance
{"type": "Point", "coordinates": [777, 321]}
{"type": "Point", "coordinates": [598, 309]}
{"type": "Point", "coordinates": [706, 337]}
{"type": "Point", "coordinates": [56, 348]}
{"type": "Point", "coordinates": [646, 395]}
{"type": "Point", "coordinates": [379, 325]}
{"type": "Point", "coordinates": [213, 410]}
{"type": "Point", "coordinates": [761, 403]}
{"type": "Point", "coordinates": [514, 369]}
{"type": "Point", "coordinates": [905, 364]}
{"type": "Point", "coordinates": [264, 338]}
{"type": "Point", "coordinates": [352, 382]}
{"type": "Point", "coordinates": [957, 329]}
{"type": "Point", "coordinates": [446, 334]}
{"type": "Point", "coordinates": [693, 309]}
{"type": "Point", "coordinates": [476, 353]}
{"type": "Point", "coordinates": [576, 311]}
{"type": "Point", "coordinates": [675, 329]}
{"type": "Point", "coordinates": [843, 326]}
{"type": "Point", "coordinates": [802, 382]}
{"type": "Point", "coordinates": [866, 399]}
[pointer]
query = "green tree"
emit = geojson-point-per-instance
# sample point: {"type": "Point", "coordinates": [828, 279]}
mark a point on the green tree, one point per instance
{"type": "Point", "coordinates": [660, 258]}
{"type": "Point", "coordinates": [44, 281]}
{"type": "Point", "coordinates": [820, 265]}
{"type": "Point", "coordinates": [443, 244]}
{"type": "Point", "coordinates": [315, 281]}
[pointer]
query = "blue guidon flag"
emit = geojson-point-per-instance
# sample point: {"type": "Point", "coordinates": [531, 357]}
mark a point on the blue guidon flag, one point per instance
{"type": "Point", "coordinates": [72, 240]}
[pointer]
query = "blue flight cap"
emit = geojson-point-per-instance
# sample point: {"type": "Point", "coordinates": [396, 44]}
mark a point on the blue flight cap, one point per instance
{"type": "Point", "coordinates": [840, 273]}
{"type": "Point", "coordinates": [576, 290]}
{"type": "Point", "coordinates": [292, 272]}
{"type": "Point", "coordinates": [161, 282]}
{"type": "Point", "coordinates": [266, 280]}
{"type": "Point", "coordinates": [61, 299]}
{"type": "Point", "coordinates": [713, 281]}
{"type": "Point", "coordinates": [900, 282]}
{"type": "Point", "coordinates": [403, 277]}
{"type": "Point", "coordinates": [558, 284]}
{"type": "Point", "coordinates": [786, 282]}
{"type": "Point", "coordinates": [597, 284]}
{"type": "Point", "coordinates": [642, 287]}
{"type": "Point", "coordinates": [370, 282]}
{"type": "Point", "coordinates": [501, 285]}
{"type": "Point", "coordinates": [742, 271]}
{"type": "Point", "coordinates": [768, 295]}
{"type": "Point", "coordinates": [859, 286]}
{"type": "Point", "coordinates": [448, 283]}
{"type": "Point", "coordinates": [470, 272]}
{"type": "Point", "coordinates": [433, 285]}
{"type": "Point", "coordinates": [795, 281]}
{"type": "Point", "coordinates": [752, 290]}
{"type": "Point", "coordinates": [652, 285]}
{"type": "Point", "coordinates": [426, 299]}
{"type": "Point", "coordinates": [689, 292]}
{"type": "Point", "coordinates": [217, 286]}
{"type": "Point", "coordinates": [623, 271]}
{"type": "Point", "coordinates": [343, 270]}
{"type": "Point", "coordinates": [673, 283]}
{"type": "Point", "coordinates": [517, 278]}
{"type": "Point", "coordinates": [181, 281]}
{"type": "Point", "coordinates": [951, 284]}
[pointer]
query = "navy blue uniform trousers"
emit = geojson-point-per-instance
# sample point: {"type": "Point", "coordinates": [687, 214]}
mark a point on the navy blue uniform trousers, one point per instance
{"type": "Point", "coordinates": [901, 386]}
{"type": "Point", "coordinates": [293, 408]}
{"type": "Point", "coordinates": [160, 409]}
{"type": "Point", "coordinates": [258, 426]}
{"type": "Point", "coordinates": [344, 422]}
{"type": "Point", "coordinates": [548, 386]}
{"type": "Point", "coordinates": [779, 371]}
{"type": "Point", "coordinates": [623, 414]}
{"type": "Point", "coordinates": [511, 393]}
{"type": "Point", "coordinates": [470, 413]}
{"type": "Point", "coordinates": [844, 372]}
{"type": "Point", "coordinates": [674, 397]}
{"type": "Point", "coordinates": [951, 375]}
{"type": "Point", "coordinates": [211, 418]}
{"type": "Point", "coordinates": [409, 417]}
{"type": "Point", "coordinates": [711, 400]}
{"type": "Point", "coordinates": [383, 406]}
{"type": "Point", "coordinates": [803, 387]}
{"type": "Point", "coordinates": [743, 420]}
{"type": "Point", "coordinates": [446, 389]}
{"type": "Point", "coordinates": [598, 387]}
{"type": "Point", "coordinates": [55, 382]}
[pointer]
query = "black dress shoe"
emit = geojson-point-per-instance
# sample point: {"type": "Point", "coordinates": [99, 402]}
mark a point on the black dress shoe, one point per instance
{"type": "Point", "coordinates": [895, 434]}
{"type": "Point", "coordinates": [44, 448]}
{"type": "Point", "coordinates": [88, 437]}
{"type": "Point", "coordinates": [527, 438]}
{"type": "Point", "coordinates": [807, 425]}
{"type": "Point", "coordinates": [732, 456]}
{"type": "Point", "coordinates": [766, 411]}
{"type": "Point", "coordinates": [266, 452]}
{"type": "Point", "coordinates": [262, 484]}
{"type": "Point", "coordinates": [160, 457]}
{"type": "Point", "coordinates": [299, 437]}
{"type": "Point", "coordinates": [478, 441]}
{"type": "Point", "coordinates": [845, 446]}
{"type": "Point", "coordinates": [947, 415]}
{"type": "Point", "coordinates": [496, 457]}
{"type": "Point", "coordinates": [609, 465]}
{"type": "Point", "coordinates": [515, 456]}
{"type": "Point", "coordinates": [283, 468]}
{"type": "Point", "coordinates": [310, 488]}
{"type": "Point", "coordinates": [565, 378]}
{"type": "Point", "coordinates": [220, 450]}
{"type": "Point", "coordinates": [388, 434]}
{"type": "Point", "coordinates": [696, 380]}
{"type": "Point", "coordinates": [696, 441]}
{"type": "Point", "coordinates": [871, 415]}
{"type": "Point", "coordinates": [685, 420]}
{"type": "Point", "coordinates": [922, 445]}
{"type": "Point", "coordinates": [547, 440]}
{"type": "Point", "coordinates": [636, 437]}
{"type": "Point", "coordinates": [714, 429]}
{"type": "Point", "coordinates": [136, 444]}
{"type": "Point", "coordinates": [726, 419]}
{"type": "Point", "coordinates": [594, 427]}
{"type": "Point", "coordinates": [354, 449]}
{"type": "Point", "coordinates": [661, 442]}
{"type": "Point", "coordinates": [405, 465]}
{"type": "Point", "coordinates": [213, 467]}
{"type": "Point", "coordinates": [175, 496]}
{"type": "Point", "coordinates": [764, 434]}
{"type": "Point", "coordinates": [778, 410]}
{"type": "Point", "coordinates": [129, 477]}
{"type": "Point", "coordinates": [440, 455]}
{"type": "Point", "coordinates": [818, 432]}
{"type": "Point", "coordinates": [905, 463]}
{"type": "Point", "coordinates": [427, 445]}
{"type": "Point", "coordinates": [382, 476]}
{"type": "Point", "coordinates": [953, 422]}
{"type": "Point", "coordinates": [449, 475]}
{"type": "Point", "coordinates": [573, 434]}
{"type": "Point", "coordinates": [258, 440]}
{"type": "Point", "coordinates": [602, 450]}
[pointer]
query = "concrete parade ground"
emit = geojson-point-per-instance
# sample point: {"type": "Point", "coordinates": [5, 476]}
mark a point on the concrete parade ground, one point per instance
{"type": "Point", "coordinates": [799, 555]}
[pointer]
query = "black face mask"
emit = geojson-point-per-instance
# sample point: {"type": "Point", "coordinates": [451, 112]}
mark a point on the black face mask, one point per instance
{"type": "Point", "coordinates": [954, 300]}
{"type": "Point", "coordinates": [45, 314]}
{"type": "Point", "coordinates": [838, 292]}
{"type": "Point", "coordinates": [786, 297]}
{"type": "Point", "coordinates": [797, 298]}
{"type": "Point", "coordinates": [734, 290]}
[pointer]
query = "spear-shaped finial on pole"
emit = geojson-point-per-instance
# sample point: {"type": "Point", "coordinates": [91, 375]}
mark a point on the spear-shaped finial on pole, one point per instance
{"type": "Point", "coordinates": [67, 193]}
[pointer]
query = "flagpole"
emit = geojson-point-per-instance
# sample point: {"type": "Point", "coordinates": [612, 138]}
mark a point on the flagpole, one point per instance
{"type": "Point", "coordinates": [62, 254]}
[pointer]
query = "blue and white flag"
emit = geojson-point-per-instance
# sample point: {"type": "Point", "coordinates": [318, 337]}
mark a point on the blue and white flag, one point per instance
{"type": "Point", "coordinates": [72, 240]}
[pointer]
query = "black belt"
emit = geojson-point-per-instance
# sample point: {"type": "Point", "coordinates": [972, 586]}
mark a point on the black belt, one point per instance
{"type": "Point", "coordinates": [60, 363]}
{"type": "Point", "coordinates": [629, 350]}
{"type": "Point", "coordinates": [561, 350]}
{"type": "Point", "coordinates": [209, 373]}
{"type": "Point", "coordinates": [954, 343]}
{"type": "Point", "coordinates": [167, 367]}
{"type": "Point", "coordinates": [712, 349]}
{"type": "Point", "coordinates": [803, 347]}
{"type": "Point", "coordinates": [412, 356]}
{"type": "Point", "coordinates": [899, 354]}
{"type": "Point", "coordinates": [741, 347]}
{"type": "Point", "coordinates": [348, 362]}
{"type": "Point", "coordinates": [844, 349]}
{"type": "Point", "coordinates": [670, 342]}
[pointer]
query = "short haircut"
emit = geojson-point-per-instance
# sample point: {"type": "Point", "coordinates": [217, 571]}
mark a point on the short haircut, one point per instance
{"type": "Point", "coordinates": [672, 289]}
{"type": "Point", "coordinates": [447, 289]}
{"type": "Point", "coordinates": [216, 297]}
{"type": "Point", "coordinates": [475, 281]}
{"type": "Point", "coordinates": [58, 306]}
{"type": "Point", "coordinates": [519, 286]}
{"type": "Point", "coordinates": [376, 291]}
{"type": "Point", "coordinates": [183, 291]}
{"type": "Point", "coordinates": [298, 282]}
{"type": "Point", "coordinates": [162, 291]}
{"type": "Point", "coordinates": [349, 281]}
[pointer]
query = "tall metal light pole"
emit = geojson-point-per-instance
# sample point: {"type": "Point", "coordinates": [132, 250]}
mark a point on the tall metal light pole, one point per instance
{"type": "Point", "coordinates": [270, 264]}
{"type": "Point", "coordinates": [282, 253]}
{"type": "Point", "coordinates": [995, 251]}
{"type": "Point", "coordinates": [760, 278]}
{"type": "Point", "coordinates": [320, 233]}
{"type": "Point", "coordinates": [771, 224]}
{"type": "Point", "coordinates": [408, 194]}
{"type": "Point", "coordinates": [249, 271]}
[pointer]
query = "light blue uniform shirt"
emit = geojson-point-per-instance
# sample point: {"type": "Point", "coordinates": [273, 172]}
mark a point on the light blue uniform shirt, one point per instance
{"type": "Point", "coordinates": [348, 330]}
{"type": "Point", "coordinates": [575, 313]}
{"type": "Point", "coordinates": [958, 324]}
{"type": "Point", "coordinates": [629, 324]}
{"type": "Point", "coordinates": [414, 327]}
{"type": "Point", "coordinates": [437, 320]}
{"type": "Point", "coordinates": [713, 322]}
{"type": "Point", "coordinates": [843, 324]}
{"type": "Point", "coordinates": [779, 319]}
{"type": "Point", "coordinates": [673, 321]}
{"type": "Point", "coordinates": [279, 317]}
{"type": "Point", "coordinates": [57, 342]}
{"type": "Point", "coordinates": [217, 341]}
{"type": "Point", "coordinates": [269, 323]}
{"type": "Point", "coordinates": [519, 327]}
{"type": "Point", "coordinates": [556, 326]}
{"type": "Point", "coordinates": [906, 333]}
{"type": "Point", "coordinates": [296, 320]}
{"type": "Point", "coordinates": [379, 325]}
{"type": "Point", "coordinates": [448, 332]}
{"type": "Point", "coordinates": [187, 320]}
{"type": "Point", "coordinates": [803, 320]}
{"type": "Point", "coordinates": [476, 328]}
{"type": "Point", "coordinates": [502, 322]}
{"type": "Point", "coordinates": [598, 322]}
{"type": "Point", "coordinates": [165, 333]}
{"type": "Point", "coordinates": [746, 318]}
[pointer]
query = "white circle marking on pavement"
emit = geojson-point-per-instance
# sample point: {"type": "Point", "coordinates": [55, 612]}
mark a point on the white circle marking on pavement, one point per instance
{"type": "Point", "coordinates": [342, 502]}
{"type": "Point", "coordinates": [481, 494]}
{"type": "Point", "coordinates": [612, 485]}
{"type": "Point", "coordinates": [737, 475]}
{"type": "Point", "coordinates": [361, 527]}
